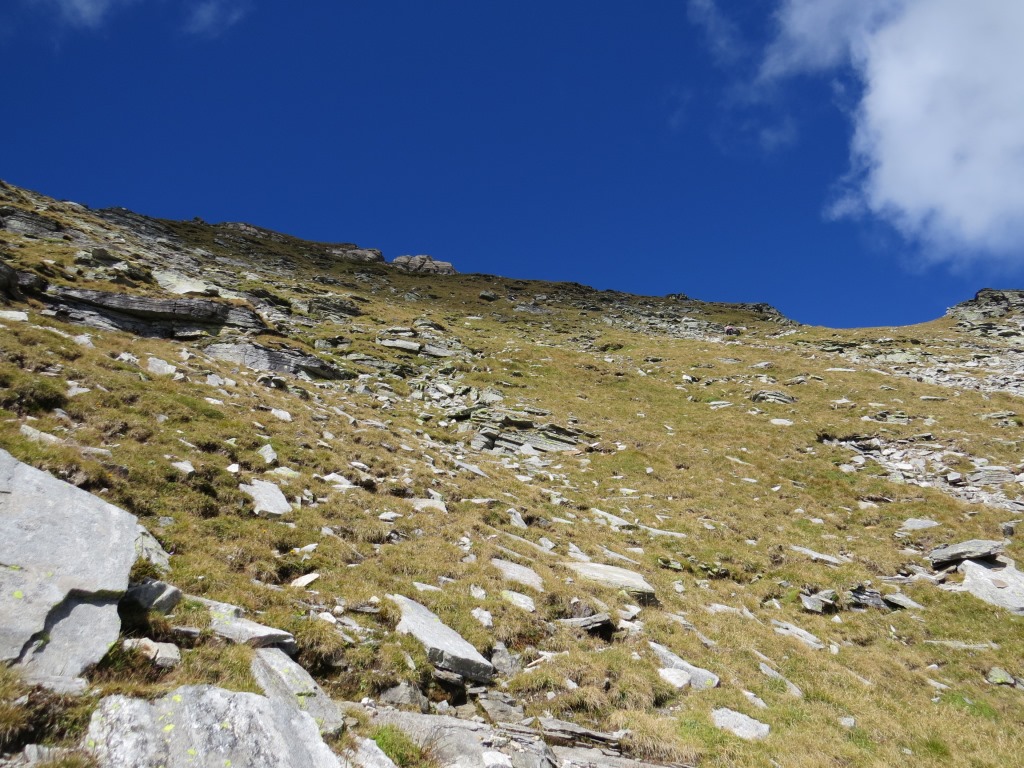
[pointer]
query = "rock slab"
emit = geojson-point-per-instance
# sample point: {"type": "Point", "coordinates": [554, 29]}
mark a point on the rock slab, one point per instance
{"type": "Point", "coordinates": [446, 648]}
{"type": "Point", "coordinates": [205, 726]}
{"type": "Point", "coordinates": [65, 556]}
{"type": "Point", "coordinates": [285, 681]}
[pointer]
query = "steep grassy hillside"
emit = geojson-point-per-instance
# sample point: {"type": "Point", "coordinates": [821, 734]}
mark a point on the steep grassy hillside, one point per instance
{"type": "Point", "coordinates": [421, 426]}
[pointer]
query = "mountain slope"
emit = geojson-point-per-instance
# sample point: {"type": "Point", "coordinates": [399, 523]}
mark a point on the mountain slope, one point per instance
{"type": "Point", "coordinates": [488, 447]}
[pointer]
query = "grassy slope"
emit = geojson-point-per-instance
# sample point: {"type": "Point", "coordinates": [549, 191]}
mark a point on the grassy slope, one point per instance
{"type": "Point", "coordinates": [741, 489]}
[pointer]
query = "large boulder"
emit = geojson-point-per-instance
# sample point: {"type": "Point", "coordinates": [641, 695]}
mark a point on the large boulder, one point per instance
{"type": "Point", "coordinates": [65, 556]}
{"type": "Point", "coordinates": [446, 648]}
{"type": "Point", "coordinates": [205, 726]}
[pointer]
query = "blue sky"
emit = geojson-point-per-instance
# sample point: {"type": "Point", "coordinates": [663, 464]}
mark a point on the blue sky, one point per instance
{"type": "Point", "coordinates": [853, 162]}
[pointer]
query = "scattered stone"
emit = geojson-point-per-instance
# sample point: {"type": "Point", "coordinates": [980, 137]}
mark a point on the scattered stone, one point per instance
{"type": "Point", "coordinates": [791, 630]}
{"type": "Point", "coordinates": [739, 724]}
{"type": "Point", "coordinates": [163, 655]}
{"type": "Point", "coordinates": [446, 648]}
{"type": "Point", "coordinates": [998, 583]}
{"type": "Point", "coordinates": [405, 695]}
{"type": "Point", "coordinates": [616, 578]}
{"type": "Point", "coordinates": [999, 676]}
{"type": "Point", "coordinates": [519, 600]}
{"type": "Point", "coordinates": [159, 367]}
{"type": "Point", "coordinates": [266, 497]}
{"type": "Point", "coordinates": [975, 549]}
{"type": "Point", "coordinates": [519, 574]}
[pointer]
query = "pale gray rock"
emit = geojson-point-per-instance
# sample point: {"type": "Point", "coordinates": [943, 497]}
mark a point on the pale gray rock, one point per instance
{"type": "Point", "coordinates": [286, 682]}
{"type": "Point", "coordinates": [974, 549]}
{"type": "Point", "coordinates": [774, 675]}
{"type": "Point", "coordinates": [423, 264]}
{"type": "Point", "coordinates": [519, 574]}
{"type": "Point", "coordinates": [205, 726]}
{"type": "Point", "coordinates": [266, 497]}
{"type": "Point", "coordinates": [818, 557]}
{"type": "Point", "coordinates": [739, 724]}
{"type": "Point", "coordinates": [791, 630]}
{"type": "Point", "coordinates": [616, 578]}
{"type": "Point", "coordinates": [405, 695]}
{"type": "Point", "coordinates": [65, 556]}
{"type": "Point", "coordinates": [368, 755]}
{"type": "Point", "coordinates": [226, 621]}
{"type": "Point", "coordinates": [159, 367]}
{"type": "Point", "coordinates": [700, 679]}
{"type": "Point", "coordinates": [446, 648]}
{"type": "Point", "coordinates": [152, 595]}
{"type": "Point", "coordinates": [519, 600]}
{"type": "Point", "coordinates": [403, 344]}
{"type": "Point", "coordinates": [917, 524]}
{"type": "Point", "coordinates": [268, 454]}
{"type": "Point", "coordinates": [282, 359]}
{"type": "Point", "coordinates": [998, 583]}
{"type": "Point", "coordinates": [163, 655]}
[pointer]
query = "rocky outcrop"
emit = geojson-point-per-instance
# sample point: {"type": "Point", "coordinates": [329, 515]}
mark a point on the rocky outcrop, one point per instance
{"type": "Point", "coordinates": [148, 316]}
{"type": "Point", "coordinates": [205, 726]}
{"type": "Point", "coordinates": [65, 556]}
{"type": "Point", "coordinates": [286, 682]}
{"type": "Point", "coordinates": [281, 359]}
{"type": "Point", "coordinates": [423, 265]}
{"type": "Point", "coordinates": [28, 223]}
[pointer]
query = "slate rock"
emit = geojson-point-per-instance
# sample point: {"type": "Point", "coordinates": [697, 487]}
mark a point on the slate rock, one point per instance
{"type": "Point", "coordinates": [519, 574]}
{"type": "Point", "coordinates": [616, 578]}
{"type": "Point", "coordinates": [205, 726]}
{"type": "Point", "coordinates": [152, 595]}
{"type": "Point", "coordinates": [1000, 584]}
{"type": "Point", "coordinates": [700, 679]}
{"type": "Point", "coordinates": [226, 621]}
{"type": "Point", "coordinates": [282, 359]}
{"type": "Point", "coordinates": [285, 681]}
{"type": "Point", "coordinates": [446, 648]}
{"type": "Point", "coordinates": [266, 497]}
{"type": "Point", "coordinates": [65, 556]}
{"type": "Point", "coordinates": [739, 724]}
{"type": "Point", "coordinates": [405, 695]}
{"type": "Point", "coordinates": [975, 549]}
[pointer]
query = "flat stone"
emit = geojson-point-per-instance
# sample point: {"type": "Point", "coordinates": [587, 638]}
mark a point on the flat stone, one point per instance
{"type": "Point", "coordinates": [771, 673]}
{"type": "Point", "coordinates": [446, 648]}
{"type": "Point", "coordinates": [205, 726]}
{"type": "Point", "coordinates": [700, 679]}
{"type": "Point", "coordinates": [791, 630]}
{"type": "Point", "coordinates": [268, 454]}
{"type": "Point", "coordinates": [519, 574]}
{"type": "Point", "coordinates": [285, 681]}
{"type": "Point", "coordinates": [65, 556]}
{"type": "Point", "coordinates": [159, 367]}
{"type": "Point", "coordinates": [267, 498]}
{"type": "Point", "coordinates": [13, 316]}
{"type": "Point", "coordinates": [501, 710]}
{"type": "Point", "coordinates": [818, 557]}
{"type": "Point", "coordinates": [305, 581]}
{"type": "Point", "coordinates": [519, 600]}
{"type": "Point", "coordinates": [974, 549]}
{"type": "Point", "coordinates": [739, 724]}
{"type": "Point", "coordinates": [616, 578]}
{"type": "Point", "coordinates": [677, 678]}
{"type": "Point", "coordinates": [918, 524]}
{"type": "Point", "coordinates": [999, 584]}
{"type": "Point", "coordinates": [226, 621]}
{"type": "Point", "coordinates": [405, 694]}
{"type": "Point", "coordinates": [163, 655]}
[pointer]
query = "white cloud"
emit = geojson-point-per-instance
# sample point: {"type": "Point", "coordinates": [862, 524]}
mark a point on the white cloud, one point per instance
{"type": "Point", "coordinates": [938, 142]}
{"type": "Point", "coordinates": [209, 18]}
{"type": "Point", "coordinates": [83, 13]}
{"type": "Point", "coordinates": [722, 36]}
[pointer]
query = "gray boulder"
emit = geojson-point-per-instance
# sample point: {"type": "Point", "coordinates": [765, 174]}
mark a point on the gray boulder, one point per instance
{"type": "Point", "coordinates": [999, 584]}
{"type": "Point", "coordinates": [446, 648]}
{"type": "Point", "coordinates": [965, 550]}
{"type": "Point", "coordinates": [700, 679]}
{"type": "Point", "coordinates": [283, 359]}
{"type": "Point", "coordinates": [616, 578]}
{"type": "Point", "coordinates": [285, 681]}
{"type": "Point", "coordinates": [739, 724]}
{"type": "Point", "coordinates": [205, 726]}
{"type": "Point", "coordinates": [266, 498]}
{"type": "Point", "coordinates": [65, 556]}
